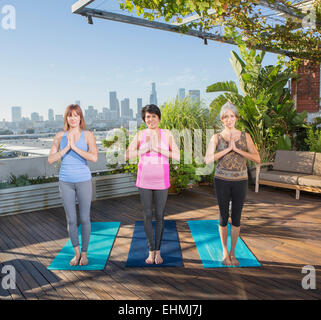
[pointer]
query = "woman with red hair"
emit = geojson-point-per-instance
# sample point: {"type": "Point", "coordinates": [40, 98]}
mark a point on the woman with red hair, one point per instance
{"type": "Point", "coordinates": [74, 146]}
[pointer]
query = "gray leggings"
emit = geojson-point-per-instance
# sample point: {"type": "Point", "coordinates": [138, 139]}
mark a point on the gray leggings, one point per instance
{"type": "Point", "coordinates": [160, 198]}
{"type": "Point", "coordinates": [83, 191]}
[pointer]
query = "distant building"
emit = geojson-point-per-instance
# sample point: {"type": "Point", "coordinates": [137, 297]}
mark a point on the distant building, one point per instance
{"type": "Point", "coordinates": [195, 95]}
{"type": "Point", "coordinates": [77, 102]}
{"type": "Point", "coordinates": [104, 114]}
{"type": "Point", "coordinates": [51, 116]}
{"type": "Point", "coordinates": [153, 95]}
{"type": "Point", "coordinates": [35, 116]}
{"type": "Point", "coordinates": [15, 114]}
{"type": "Point", "coordinates": [125, 110]}
{"type": "Point", "coordinates": [139, 108]}
{"type": "Point", "coordinates": [59, 117]}
{"type": "Point", "coordinates": [91, 114]}
{"type": "Point", "coordinates": [114, 104]}
{"type": "Point", "coordinates": [181, 94]}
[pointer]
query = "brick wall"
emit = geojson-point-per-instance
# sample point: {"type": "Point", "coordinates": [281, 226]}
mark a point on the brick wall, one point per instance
{"type": "Point", "coordinates": [307, 87]}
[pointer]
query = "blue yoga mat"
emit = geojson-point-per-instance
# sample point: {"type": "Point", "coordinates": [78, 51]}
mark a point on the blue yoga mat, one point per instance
{"type": "Point", "coordinates": [208, 243]}
{"type": "Point", "coordinates": [101, 242]}
{"type": "Point", "coordinates": [170, 248]}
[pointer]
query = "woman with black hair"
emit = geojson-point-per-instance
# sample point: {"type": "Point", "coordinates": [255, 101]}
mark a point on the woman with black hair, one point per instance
{"type": "Point", "coordinates": [154, 146]}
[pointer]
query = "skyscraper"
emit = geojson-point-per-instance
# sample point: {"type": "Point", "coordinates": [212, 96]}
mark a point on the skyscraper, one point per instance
{"type": "Point", "coordinates": [51, 116]}
{"type": "Point", "coordinates": [114, 103]}
{"type": "Point", "coordinates": [35, 116]}
{"type": "Point", "coordinates": [105, 114]}
{"type": "Point", "coordinates": [181, 94]}
{"type": "Point", "coordinates": [91, 114]}
{"type": "Point", "coordinates": [125, 113]}
{"type": "Point", "coordinates": [139, 108]}
{"type": "Point", "coordinates": [195, 95]}
{"type": "Point", "coordinates": [15, 114]}
{"type": "Point", "coordinates": [153, 95]}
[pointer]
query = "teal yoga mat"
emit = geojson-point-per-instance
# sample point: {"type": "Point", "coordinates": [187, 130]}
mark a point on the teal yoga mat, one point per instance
{"type": "Point", "coordinates": [208, 243]}
{"type": "Point", "coordinates": [101, 241]}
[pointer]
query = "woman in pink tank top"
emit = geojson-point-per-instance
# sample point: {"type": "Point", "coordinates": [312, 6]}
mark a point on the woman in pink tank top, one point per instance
{"type": "Point", "coordinates": [154, 146]}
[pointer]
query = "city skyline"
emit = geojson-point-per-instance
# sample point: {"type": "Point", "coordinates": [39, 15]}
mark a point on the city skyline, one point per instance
{"type": "Point", "coordinates": [114, 105]}
{"type": "Point", "coordinates": [50, 64]}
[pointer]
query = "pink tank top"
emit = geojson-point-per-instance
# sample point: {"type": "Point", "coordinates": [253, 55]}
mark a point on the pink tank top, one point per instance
{"type": "Point", "coordinates": [153, 167]}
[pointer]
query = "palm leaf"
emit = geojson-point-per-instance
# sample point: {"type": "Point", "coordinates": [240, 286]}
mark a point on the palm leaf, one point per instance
{"type": "Point", "coordinates": [228, 86]}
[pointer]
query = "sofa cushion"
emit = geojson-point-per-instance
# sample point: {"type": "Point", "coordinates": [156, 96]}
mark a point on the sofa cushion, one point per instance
{"type": "Point", "coordinates": [310, 181]}
{"type": "Point", "coordinates": [294, 161]}
{"type": "Point", "coordinates": [317, 164]}
{"type": "Point", "coordinates": [279, 176]}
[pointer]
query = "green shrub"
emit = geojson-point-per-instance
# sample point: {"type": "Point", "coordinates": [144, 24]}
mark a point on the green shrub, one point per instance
{"type": "Point", "coordinates": [313, 140]}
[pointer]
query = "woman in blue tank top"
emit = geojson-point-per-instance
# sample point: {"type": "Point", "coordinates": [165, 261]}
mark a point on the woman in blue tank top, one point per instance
{"type": "Point", "coordinates": [74, 146]}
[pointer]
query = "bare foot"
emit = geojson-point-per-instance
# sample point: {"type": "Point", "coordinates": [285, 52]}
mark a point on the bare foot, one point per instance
{"type": "Point", "coordinates": [74, 261]}
{"type": "Point", "coordinates": [234, 261]}
{"type": "Point", "coordinates": [158, 258]}
{"type": "Point", "coordinates": [151, 257]}
{"type": "Point", "coordinates": [83, 260]}
{"type": "Point", "coordinates": [227, 260]}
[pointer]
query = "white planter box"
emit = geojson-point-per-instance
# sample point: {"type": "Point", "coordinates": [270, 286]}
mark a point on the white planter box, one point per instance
{"type": "Point", "coordinates": [45, 196]}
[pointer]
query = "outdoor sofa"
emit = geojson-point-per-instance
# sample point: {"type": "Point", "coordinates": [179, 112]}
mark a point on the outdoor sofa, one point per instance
{"type": "Point", "coordinates": [298, 170]}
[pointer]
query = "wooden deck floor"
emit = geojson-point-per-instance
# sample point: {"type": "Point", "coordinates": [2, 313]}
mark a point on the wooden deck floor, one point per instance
{"type": "Point", "coordinates": [283, 233]}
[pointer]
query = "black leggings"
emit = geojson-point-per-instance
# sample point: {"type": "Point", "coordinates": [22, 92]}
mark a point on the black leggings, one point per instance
{"type": "Point", "coordinates": [160, 198]}
{"type": "Point", "coordinates": [226, 191]}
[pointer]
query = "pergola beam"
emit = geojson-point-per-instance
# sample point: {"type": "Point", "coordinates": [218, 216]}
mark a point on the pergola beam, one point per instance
{"type": "Point", "coordinates": [279, 7]}
{"type": "Point", "coordinates": [95, 13]}
{"type": "Point", "coordinates": [101, 14]}
{"type": "Point", "coordinates": [286, 11]}
{"type": "Point", "coordinates": [79, 5]}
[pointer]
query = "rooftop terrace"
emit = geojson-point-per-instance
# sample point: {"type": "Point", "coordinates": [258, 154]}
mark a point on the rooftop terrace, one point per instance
{"type": "Point", "coordinates": [284, 235]}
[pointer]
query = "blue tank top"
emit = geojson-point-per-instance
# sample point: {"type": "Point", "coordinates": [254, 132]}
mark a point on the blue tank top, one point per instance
{"type": "Point", "coordinates": [74, 168]}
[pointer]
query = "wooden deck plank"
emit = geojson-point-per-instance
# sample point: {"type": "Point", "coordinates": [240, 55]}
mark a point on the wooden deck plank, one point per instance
{"type": "Point", "coordinates": [43, 235]}
{"type": "Point", "coordinates": [24, 280]}
{"type": "Point", "coordinates": [32, 260]}
{"type": "Point", "coordinates": [76, 277]}
{"type": "Point", "coordinates": [41, 247]}
{"type": "Point", "coordinates": [106, 289]}
{"type": "Point", "coordinates": [212, 289]}
{"type": "Point", "coordinates": [284, 237]}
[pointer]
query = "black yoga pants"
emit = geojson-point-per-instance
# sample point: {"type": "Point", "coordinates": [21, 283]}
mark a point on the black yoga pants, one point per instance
{"type": "Point", "coordinates": [230, 190]}
{"type": "Point", "coordinates": [159, 198]}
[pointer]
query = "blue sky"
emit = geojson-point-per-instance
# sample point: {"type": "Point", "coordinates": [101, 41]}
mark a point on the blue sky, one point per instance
{"type": "Point", "coordinates": [54, 57]}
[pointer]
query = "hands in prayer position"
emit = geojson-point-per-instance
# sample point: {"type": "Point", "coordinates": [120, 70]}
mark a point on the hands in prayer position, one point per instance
{"type": "Point", "coordinates": [232, 146]}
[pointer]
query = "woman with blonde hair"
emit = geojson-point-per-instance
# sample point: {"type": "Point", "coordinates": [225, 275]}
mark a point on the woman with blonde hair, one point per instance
{"type": "Point", "coordinates": [231, 148]}
{"type": "Point", "coordinates": [74, 146]}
